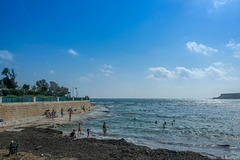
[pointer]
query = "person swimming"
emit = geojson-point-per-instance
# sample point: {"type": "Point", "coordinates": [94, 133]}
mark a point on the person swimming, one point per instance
{"type": "Point", "coordinates": [156, 122]}
{"type": "Point", "coordinates": [164, 124]}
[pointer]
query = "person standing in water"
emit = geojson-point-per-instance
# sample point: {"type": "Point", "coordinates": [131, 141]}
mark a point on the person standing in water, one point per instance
{"type": "Point", "coordinates": [104, 128]}
{"type": "Point", "coordinates": [79, 129]}
{"type": "Point", "coordinates": [88, 132]}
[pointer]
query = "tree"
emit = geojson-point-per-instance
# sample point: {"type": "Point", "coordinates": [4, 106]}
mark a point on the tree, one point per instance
{"type": "Point", "coordinates": [42, 86]}
{"type": "Point", "coordinates": [25, 87]}
{"type": "Point", "coordinates": [62, 92]}
{"type": "Point", "coordinates": [9, 79]}
{"type": "Point", "coordinates": [54, 88]}
{"type": "Point", "coordinates": [34, 88]}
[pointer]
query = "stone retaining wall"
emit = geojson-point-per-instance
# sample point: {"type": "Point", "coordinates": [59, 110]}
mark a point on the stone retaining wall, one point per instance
{"type": "Point", "coordinates": [17, 111]}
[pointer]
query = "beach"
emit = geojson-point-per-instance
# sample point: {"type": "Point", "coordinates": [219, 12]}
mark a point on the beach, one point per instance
{"type": "Point", "coordinates": [43, 143]}
{"type": "Point", "coordinates": [37, 140]}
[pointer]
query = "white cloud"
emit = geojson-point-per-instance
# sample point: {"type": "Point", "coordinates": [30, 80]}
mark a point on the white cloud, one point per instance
{"type": "Point", "coordinates": [52, 72]}
{"type": "Point", "coordinates": [218, 3]}
{"type": "Point", "coordinates": [107, 70]}
{"type": "Point", "coordinates": [73, 52]}
{"type": "Point", "coordinates": [6, 55]}
{"type": "Point", "coordinates": [160, 73]}
{"type": "Point", "coordinates": [235, 47]}
{"type": "Point", "coordinates": [108, 66]}
{"type": "Point", "coordinates": [200, 48]}
{"type": "Point", "coordinates": [182, 72]}
{"type": "Point", "coordinates": [218, 63]}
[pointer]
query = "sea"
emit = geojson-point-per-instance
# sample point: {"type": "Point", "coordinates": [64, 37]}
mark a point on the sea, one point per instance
{"type": "Point", "coordinates": [207, 126]}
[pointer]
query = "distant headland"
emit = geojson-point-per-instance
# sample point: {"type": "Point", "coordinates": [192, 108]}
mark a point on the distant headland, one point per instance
{"type": "Point", "coordinates": [228, 96]}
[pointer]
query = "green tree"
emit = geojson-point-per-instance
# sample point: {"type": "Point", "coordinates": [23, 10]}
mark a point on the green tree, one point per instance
{"type": "Point", "coordinates": [54, 88]}
{"type": "Point", "coordinates": [9, 79]}
{"type": "Point", "coordinates": [62, 92]}
{"type": "Point", "coordinates": [25, 87]}
{"type": "Point", "coordinates": [42, 86]}
{"type": "Point", "coordinates": [34, 88]}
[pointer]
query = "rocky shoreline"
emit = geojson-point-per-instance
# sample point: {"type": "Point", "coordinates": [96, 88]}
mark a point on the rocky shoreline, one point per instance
{"type": "Point", "coordinates": [45, 143]}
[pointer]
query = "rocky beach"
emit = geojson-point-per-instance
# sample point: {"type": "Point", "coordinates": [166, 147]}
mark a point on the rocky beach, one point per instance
{"type": "Point", "coordinates": [38, 141]}
{"type": "Point", "coordinates": [45, 143]}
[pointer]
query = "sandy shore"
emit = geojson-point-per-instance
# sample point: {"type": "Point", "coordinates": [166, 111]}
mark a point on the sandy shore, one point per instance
{"type": "Point", "coordinates": [47, 122]}
{"type": "Point", "coordinates": [37, 141]}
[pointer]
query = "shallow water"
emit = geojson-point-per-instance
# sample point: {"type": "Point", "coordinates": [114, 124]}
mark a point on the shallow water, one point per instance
{"type": "Point", "coordinates": [208, 126]}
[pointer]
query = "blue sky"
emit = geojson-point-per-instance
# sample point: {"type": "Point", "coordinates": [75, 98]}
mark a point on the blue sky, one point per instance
{"type": "Point", "coordinates": [132, 48]}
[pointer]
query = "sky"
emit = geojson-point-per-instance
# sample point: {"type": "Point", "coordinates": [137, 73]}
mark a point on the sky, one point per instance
{"type": "Point", "coordinates": [124, 49]}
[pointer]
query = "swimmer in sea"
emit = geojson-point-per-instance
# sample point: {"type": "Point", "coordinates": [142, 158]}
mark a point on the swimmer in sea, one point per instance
{"type": "Point", "coordinates": [163, 125]}
{"type": "Point", "coordinates": [155, 122]}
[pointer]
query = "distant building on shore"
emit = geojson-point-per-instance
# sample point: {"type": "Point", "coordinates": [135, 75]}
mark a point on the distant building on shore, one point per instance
{"type": "Point", "coordinates": [228, 96]}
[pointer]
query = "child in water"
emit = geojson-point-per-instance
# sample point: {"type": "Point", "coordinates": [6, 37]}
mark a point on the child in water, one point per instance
{"type": "Point", "coordinates": [79, 129]}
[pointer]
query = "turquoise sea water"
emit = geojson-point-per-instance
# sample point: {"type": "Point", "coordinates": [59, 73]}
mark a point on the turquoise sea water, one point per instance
{"type": "Point", "coordinates": [208, 126]}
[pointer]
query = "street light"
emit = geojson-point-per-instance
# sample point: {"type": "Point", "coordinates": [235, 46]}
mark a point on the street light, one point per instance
{"type": "Point", "coordinates": [76, 92]}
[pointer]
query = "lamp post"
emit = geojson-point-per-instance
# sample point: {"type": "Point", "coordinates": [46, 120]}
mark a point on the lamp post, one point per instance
{"type": "Point", "coordinates": [76, 92]}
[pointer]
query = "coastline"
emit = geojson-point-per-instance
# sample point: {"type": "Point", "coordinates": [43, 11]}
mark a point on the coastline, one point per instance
{"type": "Point", "coordinates": [44, 122]}
{"type": "Point", "coordinates": [38, 141]}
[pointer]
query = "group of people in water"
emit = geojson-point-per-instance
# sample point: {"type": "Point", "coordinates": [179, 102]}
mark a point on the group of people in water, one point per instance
{"type": "Point", "coordinates": [74, 135]}
{"type": "Point", "coordinates": [156, 122]}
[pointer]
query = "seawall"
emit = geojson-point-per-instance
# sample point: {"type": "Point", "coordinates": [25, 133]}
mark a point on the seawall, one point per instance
{"type": "Point", "coordinates": [15, 113]}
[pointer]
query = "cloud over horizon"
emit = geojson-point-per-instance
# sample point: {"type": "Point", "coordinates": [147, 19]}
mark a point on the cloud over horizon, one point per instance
{"type": "Point", "coordinates": [161, 73]}
{"type": "Point", "coordinates": [200, 48]}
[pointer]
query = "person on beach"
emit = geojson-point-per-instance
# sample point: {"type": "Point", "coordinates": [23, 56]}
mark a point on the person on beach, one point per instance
{"type": "Point", "coordinates": [61, 112]}
{"type": "Point", "coordinates": [79, 129]}
{"type": "Point", "coordinates": [88, 132]}
{"type": "Point", "coordinates": [73, 134]}
{"type": "Point", "coordinates": [104, 128]}
{"type": "Point", "coordinates": [53, 114]}
{"type": "Point", "coordinates": [70, 114]}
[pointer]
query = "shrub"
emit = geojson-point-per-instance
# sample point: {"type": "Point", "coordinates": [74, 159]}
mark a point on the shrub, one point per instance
{"type": "Point", "coordinates": [18, 92]}
{"type": "Point", "coordinates": [5, 92]}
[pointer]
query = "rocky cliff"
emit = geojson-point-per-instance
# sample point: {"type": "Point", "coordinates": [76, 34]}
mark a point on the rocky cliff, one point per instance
{"type": "Point", "coordinates": [228, 96]}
